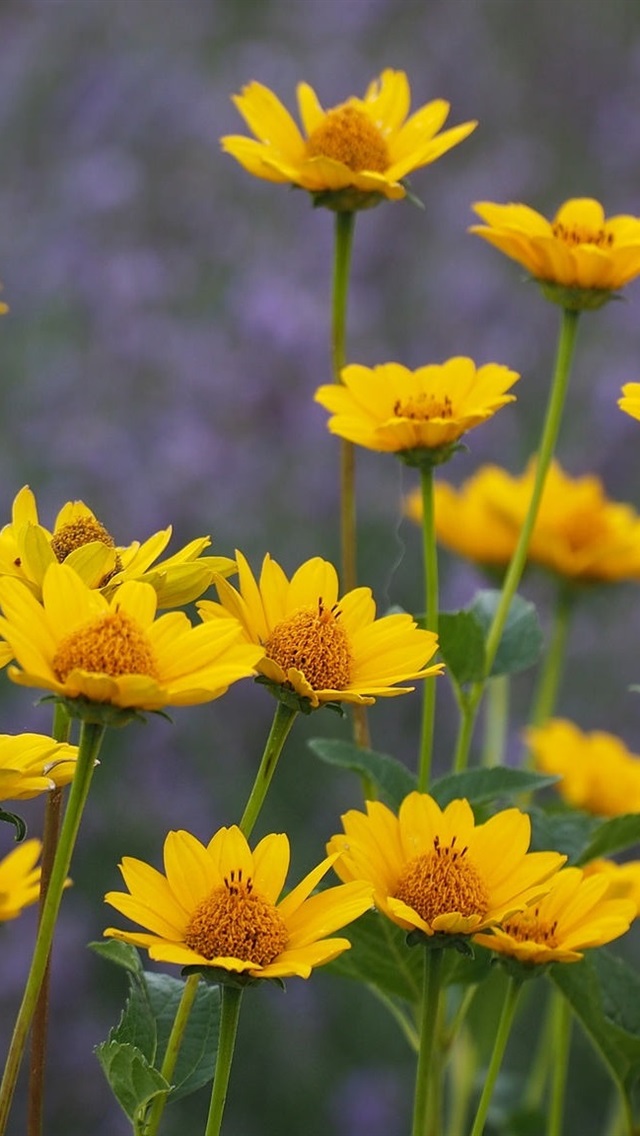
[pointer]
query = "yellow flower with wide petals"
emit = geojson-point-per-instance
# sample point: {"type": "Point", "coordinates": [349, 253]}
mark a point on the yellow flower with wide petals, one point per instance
{"type": "Point", "coordinates": [351, 156]}
{"type": "Point", "coordinates": [465, 521]}
{"type": "Point", "coordinates": [580, 253]}
{"type": "Point", "coordinates": [435, 870]}
{"type": "Point", "coordinates": [81, 645]}
{"type": "Point", "coordinates": [32, 764]}
{"type": "Point", "coordinates": [218, 905]}
{"type": "Point", "coordinates": [576, 913]}
{"type": "Point", "coordinates": [395, 410]}
{"type": "Point", "coordinates": [599, 774]}
{"type": "Point", "coordinates": [19, 879]}
{"type": "Point", "coordinates": [630, 401]}
{"type": "Point", "coordinates": [80, 540]}
{"type": "Point", "coordinates": [324, 648]}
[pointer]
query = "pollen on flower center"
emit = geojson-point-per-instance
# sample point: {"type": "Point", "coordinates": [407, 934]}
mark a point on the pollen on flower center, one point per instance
{"type": "Point", "coordinates": [234, 922]}
{"type": "Point", "coordinates": [581, 235]}
{"type": "Point", "coordinates": [526, 926]}
{"type": "Point", "coordinates": [114, 645]}
{"type": "Point", "coordinates": [82, 531]}
{"type": "Point", "coordinates": [313, 641]}
{"type": "Point", "coordinates": [348, 135]}
{"type": "Point", "coordinates": [424, 407]}
{"type": "Point", "coordinates": [443, 881]}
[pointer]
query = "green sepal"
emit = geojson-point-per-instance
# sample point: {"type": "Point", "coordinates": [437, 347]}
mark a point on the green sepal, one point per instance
{"type": "Point", "coordinates": [99, 713]}
{"type": "Point", "coordinates": [294, 701]}
{"type": "Point", "coordinates": [17, 822]}
{"type": "Point", "coordinates": [411, 196]}
{"type": "Point", "coordinates": [219, 976]}
{"type": "Point", "coordinates": [426, 457]}
{"type": "Point", "coordinates": [441, 941]}
{"type": "Point", "coordinates": [576, 299]}
{"type": "Point", "coordinates": [347, 200]}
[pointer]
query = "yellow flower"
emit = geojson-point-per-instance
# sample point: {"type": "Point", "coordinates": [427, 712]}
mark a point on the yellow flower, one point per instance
{"type": "Point", "coordinates": [217, 905]}
{"type": "Point", "coordinates": [465, 521]}
{"type": "Point", "coordinates": [324, 648]}
{"type": "Point", "coordinates": [80, 540]}
{"type": "Point", "coordinates": [624, 879]}
{"type": "Point", "coordinates": [573, 915]}
{"type": "Point", "coordinates": [599, 774]}
{"type": "Point", "coordinates": [395, 410]}
{"type": "Point", "coordinates": [630, 401]}
{"type": "Point", "coordinates": [81, 645]}
{"type": "Point", "coordinates": [436, 870]}
{"type": "Point", "coordinates": [356, 153]}
{"type": "Point", "coordinates": [32, 764]}
{"type": "Point", "coordinates": [580, 252]}
{"type": "Point", "coordinates": [19, 879]}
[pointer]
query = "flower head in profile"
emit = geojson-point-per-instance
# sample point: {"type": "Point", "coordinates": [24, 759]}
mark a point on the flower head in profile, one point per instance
{"type": "Point", "coordinates": [351, 156]}
{"type": "Point", "coordinates": [466, 521]}
{"type": "Point", "coordinates": [89, 650]}
{"type": "Point", "coordinates": [417, 414]}
{"type": "Point", "coordinates": [580, 257]}
{"type": "Point", "coordinates": [80, 540]}
{"type": "Point", "coordinates": [19, 879]}
{"type": "Point", "coordinates": [218, 905]}
{"type": "Point", "coordinates": [435, 870]}
{"type": "Point", "coordinates": [630, 401]}
{"type": "Point", "coordinates": [33, 763]}
{"type": "Point", "coordinates": [575, 914]}
{"type": "Point", "coordinates": [599, 774]}
{"type": "Point", "coordinates": [322, 647]}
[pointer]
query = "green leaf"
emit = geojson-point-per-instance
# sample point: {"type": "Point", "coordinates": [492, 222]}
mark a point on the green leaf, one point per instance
{"type": "Point", "coordinates": [197, 1057]}
{"type": "Point", "coordinates": [521, 642]}
{"type": "Point", "coordinates": [614, 835]}
{"type": "Point", "coordinates": [392, 779]}
{"type": "Point", "coordinates": [134, 1083]}
{"type": "Point", "coordinates": [122, 954]}
{"type": "Point", "coordinates": [17, 822]}
{"type": "Point", "coordinates": [380, 957]}
{"type": "Point", "coordinates": [482, 785]}
{"type": "Point", "coordinates": [461, 637]}
{"type": "Point", "coordinates": [565, 830]}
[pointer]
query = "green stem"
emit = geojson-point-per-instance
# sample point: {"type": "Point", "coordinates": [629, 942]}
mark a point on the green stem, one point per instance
{"type": "Point", "coordinates": [496, 720]}
{"type": "Point", "coordinates": [462, 1073]}
{"type": "Point", "coordinates": [283, 720]}
{"type": "Point", "coordinates": [433, 960]}
{"type": "Point", "coordinates": [229, 1014]}
{"type": "Point", "coordinates": [430, 562]}
{"type": "Point", "coordinates": [551, 672]}
{"type": "Point", "coordinates": [560, 1067]}
{"type": "Point", "coordinates": [543, 1059]}
{"type": "Point", "coordinates": [90, 740]}
{"type": "Point", "coordinates": [345, 224]}
{"type": "Point", "coordinates": [550, 430]}
{"type": "Point", "coordinates": [499, 1046]}
{"type": "Point", "coordinates": [173, 1049]}
{"type": "Point", "coordinates": [467, 710]}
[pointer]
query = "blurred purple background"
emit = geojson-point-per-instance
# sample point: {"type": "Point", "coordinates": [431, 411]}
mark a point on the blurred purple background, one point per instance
{"type": "Point", "coordinates": [168, 328]}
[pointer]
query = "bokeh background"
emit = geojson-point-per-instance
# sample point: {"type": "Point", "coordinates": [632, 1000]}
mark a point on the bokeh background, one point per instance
{"type": "Point", "coordinates": [168, 326]}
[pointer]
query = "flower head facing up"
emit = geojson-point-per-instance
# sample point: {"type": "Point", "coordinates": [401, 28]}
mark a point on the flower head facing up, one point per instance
{"type": "Point", "coordinates": [19, 879]}
{"type": "Point", "coordinates": [425, 412]}
{"type": "Point", "coordinates": [82, 646]}
{"type": "Point", "coordinates": [351, 156]}
{"type": "Point", "coordinates": [33, 763]}
{"type": "Point", "coordinates": [434, 870]}
{"type": "Point", "coordinates": [80, 540]}
{"type": "Point", "coordinates": [574, 914]}
{"type": "Point", "coordinates": [218, 906]}
{"type": "Point", "coordinates": [580, 258]}
{"type": "Point", "coordinates": [323, 648]}
{"type": "Point", "coordinates": [599, 774]}
{"type": "Point", "coordinates": [630, 401]}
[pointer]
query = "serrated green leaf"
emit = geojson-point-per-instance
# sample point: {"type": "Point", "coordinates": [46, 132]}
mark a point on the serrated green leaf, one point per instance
{"type": "Point", "coordinates": [566, 830]}
{"type": "Point", "coordinates": [461, 637]}
{"type": "Point", "coordinates": [197, 1057]}
{"type": "Point", "coordinates": [481, 785]}
{"type": "Point", "coordinates": [521, 642]}
{"type": "Point", "coordinates": [121, 954]}
{"type": "Point", "coordinates": [380, 957]}
{"type": "Point", "coordinates": [614, 835]}
{"type": "Point", "coordinates": [392, 779]}
{"type": "Point", "coordinates": [133, 1082]}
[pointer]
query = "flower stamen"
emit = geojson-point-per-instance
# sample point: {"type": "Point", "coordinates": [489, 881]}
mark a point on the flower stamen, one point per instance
{"type": "Point", "coordinates": [83, 531]}
{"type": "Point", "coordinates": [527, 926]}
{"type": "Point", "coordinates": [314, 642]}
{"type": "Point", "coordinates": [581, 235]}
{"type": "Point", "coordinates": [424, 407]}
{"type": "Point", "coordinates": [114, 645]}
{"type": "Point", "coordinates": [443, 881]}
{"type": "Point", "coordinates": [348, 135]}
{"type": "Point", "coordinates": [234, 922]}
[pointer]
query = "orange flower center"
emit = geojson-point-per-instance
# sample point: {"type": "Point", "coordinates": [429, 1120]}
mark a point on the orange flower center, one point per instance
{"type": "Point", "coordinates": [581, 235]}
{"type": "Point", "coordinates": [527, 926]}
{"type": "Point", "coordinates": [313, 641]}
{"type": "Point", "coordinates": [84, 530]}
{"type": "Point", "coordinates": [113, 644]}
{"type": "Point", "coordinates": [234, 922]}
{"type": "Point", "coordinates": [348, 135]}
{"type": "Point", "coordinates": [424, 407]}
{"type": "Point", "coordinates": [441, 882]}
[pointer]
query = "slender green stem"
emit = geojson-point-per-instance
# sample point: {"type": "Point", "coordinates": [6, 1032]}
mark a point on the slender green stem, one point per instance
{"type": "Point", "coordinates": [90, 740]}
{"type": "Point", "coordinates": [283, 720]}
{"type": "Point", "coordinates": [499, 1046]}
{"type": "Point", "coordinates": [345, 224]}
{"type": "Point", "coordinates": [430, 562]}
{"type": "Point", "coordinates": [560, 1067]}
{"type": "Point", "coordinates": [496, 720]}
{"type": "Point", "coordinates": [229, 1014]}
{"type": "Point", "coordinates": [540, 1068]}
{"type": "Point", "coordinates": [462, 1073]}
{"type": "Point", "coordinates": [550, 430]}
{"type": "Point", "coordinates": [433, 960]}
{"type": "Point", "coordinates": [173, 1049]}
{"type": "Point", "coordinates": [551, 671]}
{"type": "Point", "coordinates": [467, 710]}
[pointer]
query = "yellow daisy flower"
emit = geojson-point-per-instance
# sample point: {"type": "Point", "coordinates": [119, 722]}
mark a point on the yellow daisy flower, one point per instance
{"type": "Point", "coordinates": [599, 774]}
{"type": "Point", "coordinates": [630, 401]}
{"type": "Point", "coordinates": [32, 764]}
{"type": "Point", "coordinates": [624, 879]}
{"type": "Point", "coordinates": [218, 905]}
{"type": "Point", "coordinates": [573, 915]}
{"type": "Point", "coordinates": [19, 879]}
{"type": "Point", "coordinates": [81, 645]}
{"type": "Point", "coordinates": [80, 540]}
{"type": "Point", "coordinates": [465, 521]}
{"type": "Point", "coordinates": [395, 410]}
{"type": "Point", "coordinates": [351, 156]}
{"type": "Point", "coordinates": [581, 252]}
{"type": "Point", "coordinates": [324, 648]}
{"type": "Point", "coordinates": [437, 871]}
